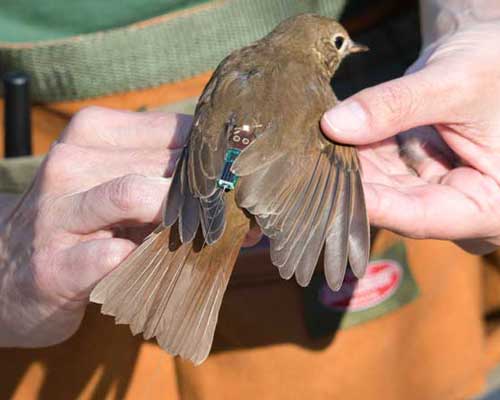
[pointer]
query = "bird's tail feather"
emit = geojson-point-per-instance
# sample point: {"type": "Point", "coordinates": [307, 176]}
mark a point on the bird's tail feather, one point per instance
{"type": "Point", "coordinates": [172, 290]}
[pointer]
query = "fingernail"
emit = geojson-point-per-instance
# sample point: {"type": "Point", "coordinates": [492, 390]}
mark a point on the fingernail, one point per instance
{"type": "Point", "coordinates": [346, 117]}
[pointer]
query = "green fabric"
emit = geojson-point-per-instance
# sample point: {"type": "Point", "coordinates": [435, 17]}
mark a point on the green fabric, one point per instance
{"type": "Point", "coordinates": [17, 173]}
{"type": "Point", "coordinates": [36, 20]}
{"type": "Point", "coordinates": [133, 58]}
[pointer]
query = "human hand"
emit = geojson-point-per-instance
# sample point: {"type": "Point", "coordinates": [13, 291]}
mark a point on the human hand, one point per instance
{"type": "Point", "coordinates": [415, 184]}
{"type": "Point", "coordinates": [100, 184]}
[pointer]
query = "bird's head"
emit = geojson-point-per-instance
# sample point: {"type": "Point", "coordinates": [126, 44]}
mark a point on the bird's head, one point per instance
{"type": "Point", "coordinates": [321, 38]}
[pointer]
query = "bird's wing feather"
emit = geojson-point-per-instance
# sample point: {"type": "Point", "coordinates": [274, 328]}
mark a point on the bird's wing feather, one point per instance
{"type": "Point", "coordinates": [194, 197]}
{"type": "Point", "coordinates": [308, 194]}
{"type": "Point", "coordinates": [230, 100]}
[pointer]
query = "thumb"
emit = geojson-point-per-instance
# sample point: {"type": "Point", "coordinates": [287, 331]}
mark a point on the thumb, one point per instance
{"type": "Point", "coordinates": [376, 113]}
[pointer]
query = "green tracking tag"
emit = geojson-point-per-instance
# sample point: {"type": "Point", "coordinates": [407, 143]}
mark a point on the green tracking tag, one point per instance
{"type": "Point", "coordinates": [228, 180]}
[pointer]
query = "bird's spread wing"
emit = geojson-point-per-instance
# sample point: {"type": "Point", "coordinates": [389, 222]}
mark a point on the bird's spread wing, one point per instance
{"type": "Point", "coordinates": [302, 200]}
{"type": "Point", "coordinates": [308, 194]}
{"type": "Point", "coordinates": [194, 196]}
{"type": "Point", "coordinates": [304, 190]}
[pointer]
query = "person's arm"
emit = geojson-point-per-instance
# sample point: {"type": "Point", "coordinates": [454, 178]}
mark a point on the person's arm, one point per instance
{"type": "Point", "coordinates": [452, 89]}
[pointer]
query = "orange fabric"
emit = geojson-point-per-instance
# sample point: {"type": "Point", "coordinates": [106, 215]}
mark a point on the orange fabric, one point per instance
{"type": "Point", "coordinates": [433, 348]}
{"type": "Point", "coordinates": [147, 98]}
{"type": "Point", "coordinates": [436, 347]}
{"type": "Point", "coordinates": [491, 306]}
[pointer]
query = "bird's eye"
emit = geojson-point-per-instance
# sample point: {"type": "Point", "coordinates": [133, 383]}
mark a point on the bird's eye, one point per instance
{"type": "Point", "coordinates": [339, 42]}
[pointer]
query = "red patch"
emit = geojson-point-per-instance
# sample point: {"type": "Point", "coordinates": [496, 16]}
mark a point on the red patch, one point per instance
{"type": "Point", "coordinates": [381, 280]}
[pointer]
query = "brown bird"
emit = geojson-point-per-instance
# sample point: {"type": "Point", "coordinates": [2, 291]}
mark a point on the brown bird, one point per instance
{"type": "Point", "coordinates": [256, 130]}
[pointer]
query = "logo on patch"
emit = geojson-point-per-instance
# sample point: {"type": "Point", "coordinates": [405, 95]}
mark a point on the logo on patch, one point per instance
{"type": "Point", "coordinates": [381, 280]}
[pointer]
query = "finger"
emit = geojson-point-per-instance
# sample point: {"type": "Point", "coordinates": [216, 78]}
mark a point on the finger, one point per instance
{"type": "Point", "coordinates": [426, 211]}
{"type": "Point", "coordinates": [381, 163]}
{"type": "Point", "coordinates": [395, 106]}
{"type": "Point", "coordinates": [115, 163]}
{"type": "Point", "coordinates": [70, 168]}
{"type": "Point", "coordinates": [128, 200]}
{"type": "Point", "coordinates": [98, 126]}
{"type": "Point", "coordinates": [82, 266]}
{"type": "Point", "coordinates": [482, 157]}
{"type": "Point", "coordinates": [385, 155]}
{"type": "Point", "coordinates": [372, 173]}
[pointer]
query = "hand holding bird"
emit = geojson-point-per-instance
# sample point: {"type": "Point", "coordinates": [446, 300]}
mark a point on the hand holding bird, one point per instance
{"type": "Point", "coordinates": [440, 178]}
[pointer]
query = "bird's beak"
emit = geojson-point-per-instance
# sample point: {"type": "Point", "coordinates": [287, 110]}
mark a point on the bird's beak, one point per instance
{"type": "Point", "coordinates": [357, 48]}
